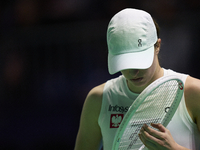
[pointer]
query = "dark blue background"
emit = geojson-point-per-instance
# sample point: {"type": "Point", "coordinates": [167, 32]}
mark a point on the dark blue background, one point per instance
{"type": "Point", "coordinates": [53, 52]}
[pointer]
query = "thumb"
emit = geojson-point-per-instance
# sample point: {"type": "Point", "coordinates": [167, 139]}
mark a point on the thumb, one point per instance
{"type": "Point", "coordinates": [158, 126]}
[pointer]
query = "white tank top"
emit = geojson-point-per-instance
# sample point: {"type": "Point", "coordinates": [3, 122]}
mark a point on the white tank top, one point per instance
{"type": "Point", "coordinates": [116, 100]}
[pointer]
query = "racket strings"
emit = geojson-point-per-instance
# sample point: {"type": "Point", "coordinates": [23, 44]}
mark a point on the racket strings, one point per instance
{"type": "Point", "coordinates": [157, 104]}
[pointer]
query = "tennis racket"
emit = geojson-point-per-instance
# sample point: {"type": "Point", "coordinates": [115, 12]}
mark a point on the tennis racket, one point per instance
{"type": "Point", "coordinates": [156, 104]}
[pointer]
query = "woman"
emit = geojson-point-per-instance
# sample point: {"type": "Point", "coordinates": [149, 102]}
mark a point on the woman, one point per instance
{"type": "Point", "coordinates": [133, 46]}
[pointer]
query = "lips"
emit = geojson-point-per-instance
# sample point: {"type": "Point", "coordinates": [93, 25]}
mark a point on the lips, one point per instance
{"type": "Point", "coordinates": [136, 79]}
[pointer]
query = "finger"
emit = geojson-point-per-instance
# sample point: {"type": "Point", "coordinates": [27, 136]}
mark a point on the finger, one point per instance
{"type": "Point", "coordinates": [146, 139]}
{"type": "Point", "coordinates": [158, 126]}
{"type": "Point", "coordinates": [152, 132]}
{"type": "Point", "coordinates": [141, 137]}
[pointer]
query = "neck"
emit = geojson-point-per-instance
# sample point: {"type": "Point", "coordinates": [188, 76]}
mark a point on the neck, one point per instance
{"type": "Point", "coordinates": [158, 73]}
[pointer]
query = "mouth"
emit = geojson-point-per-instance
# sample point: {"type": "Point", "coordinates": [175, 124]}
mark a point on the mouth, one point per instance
{"type": "Point", "coordinates": [136, 79]}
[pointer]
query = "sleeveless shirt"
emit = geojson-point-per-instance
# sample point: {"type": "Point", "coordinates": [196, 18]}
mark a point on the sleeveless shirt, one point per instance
{"type": "Point", "coordinates": [116, 100]}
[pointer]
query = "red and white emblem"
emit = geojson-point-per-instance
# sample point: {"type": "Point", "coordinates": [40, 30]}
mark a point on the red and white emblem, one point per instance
{"type": "Point", "coordinates": [115, 120]}
{"type": "Point", "coordinates": [180, 85]}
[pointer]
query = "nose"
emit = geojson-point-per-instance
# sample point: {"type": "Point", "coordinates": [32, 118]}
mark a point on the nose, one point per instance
{"type": "Point", "coordinates": [134, 72]}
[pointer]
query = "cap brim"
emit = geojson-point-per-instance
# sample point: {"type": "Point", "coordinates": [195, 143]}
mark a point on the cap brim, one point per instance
{"type": "Point", "coordinates": [136, 60]}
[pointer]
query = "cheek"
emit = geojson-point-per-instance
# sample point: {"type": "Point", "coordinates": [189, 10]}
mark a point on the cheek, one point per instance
{"type": "Point", "coordinates": [125, 73]}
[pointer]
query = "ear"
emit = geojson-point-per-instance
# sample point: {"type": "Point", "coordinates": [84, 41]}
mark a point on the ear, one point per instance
{"type": "Point", "coordinates": [158, 45]}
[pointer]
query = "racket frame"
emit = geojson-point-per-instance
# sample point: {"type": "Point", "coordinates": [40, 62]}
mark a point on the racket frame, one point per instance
{"type": "Point", "coordinates": [139, 100]}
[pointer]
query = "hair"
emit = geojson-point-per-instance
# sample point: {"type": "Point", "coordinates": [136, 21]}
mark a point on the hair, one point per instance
{"type": "Point", "coordinates": [158, 35]}
{"type": "Point", "coordinates": [158, 32]}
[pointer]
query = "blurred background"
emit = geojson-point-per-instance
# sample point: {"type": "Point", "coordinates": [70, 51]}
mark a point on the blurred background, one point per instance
{"type": "Point", "coordinates": [53, 52]}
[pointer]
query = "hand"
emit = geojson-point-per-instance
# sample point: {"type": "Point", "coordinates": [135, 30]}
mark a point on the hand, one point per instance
{"type": "Point", "coordinates": [157, 140]}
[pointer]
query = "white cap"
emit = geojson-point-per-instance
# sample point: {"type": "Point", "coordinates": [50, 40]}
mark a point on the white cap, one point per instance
{"type": "Point", "coordinates": [131, 36]}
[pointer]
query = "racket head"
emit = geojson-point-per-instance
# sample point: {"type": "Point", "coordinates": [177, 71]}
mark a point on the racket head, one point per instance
{"type": "Point", "coordinates": [127, 134]}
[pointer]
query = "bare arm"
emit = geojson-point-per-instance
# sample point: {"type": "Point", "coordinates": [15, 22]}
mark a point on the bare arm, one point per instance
{"type": "Point", "coordinates": [89, 134]}
{"type": "Point", "coordinates": [192, 99]}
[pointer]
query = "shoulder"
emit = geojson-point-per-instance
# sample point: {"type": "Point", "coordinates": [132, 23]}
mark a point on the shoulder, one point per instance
{"type": "Point", "coordinates": [192, 87]}
{"type": "Point", "coordinates": [192, 97]}
{"type": "Point", "coordinates": [96, 93]}
{"type": "Point", "coordinates": [94, 99]}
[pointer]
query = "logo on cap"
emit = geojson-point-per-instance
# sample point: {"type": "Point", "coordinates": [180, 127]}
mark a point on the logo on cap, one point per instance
{"type": "Point", "coordinates": [139, 42]}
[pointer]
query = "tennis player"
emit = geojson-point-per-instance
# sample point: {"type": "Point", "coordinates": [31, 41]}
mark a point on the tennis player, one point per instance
{"type": "Point", "coordinates": [133, 48]}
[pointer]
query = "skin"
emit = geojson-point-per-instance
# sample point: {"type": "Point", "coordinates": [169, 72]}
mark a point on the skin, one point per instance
{"type": "Point", "coordinates": [89, 134]}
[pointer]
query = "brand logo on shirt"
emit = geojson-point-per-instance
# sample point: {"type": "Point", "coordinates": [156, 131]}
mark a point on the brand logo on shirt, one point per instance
{"type": "Point", "coordinates": [117, 108]}
{"type": "Point", "coordinates": [115, 120]}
